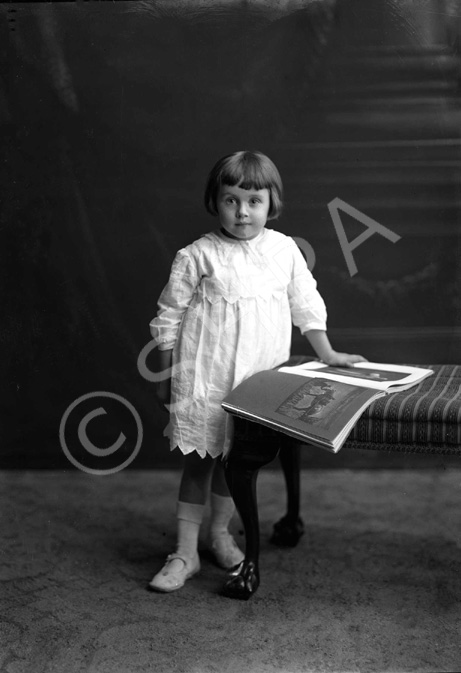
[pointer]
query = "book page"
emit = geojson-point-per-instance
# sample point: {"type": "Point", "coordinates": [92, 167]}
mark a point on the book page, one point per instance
{"type": "Point", "coordinates": [365, 374]}
{"type": "Point", "coordinates": [319, 402]}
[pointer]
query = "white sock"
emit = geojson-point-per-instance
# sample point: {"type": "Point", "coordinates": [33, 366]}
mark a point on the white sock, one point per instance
{"type": "Point", "coordinates": [189, 518]}
{"type": "Point", "coordinates": [222, 510]}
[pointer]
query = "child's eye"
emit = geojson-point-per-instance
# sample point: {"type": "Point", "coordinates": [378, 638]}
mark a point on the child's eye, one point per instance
{"type": "Point", "coordinates": [255, 201]}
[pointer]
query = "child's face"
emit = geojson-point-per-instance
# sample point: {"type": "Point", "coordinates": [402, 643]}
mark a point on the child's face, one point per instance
{"type": "Point", "coordinates": [243, 212]}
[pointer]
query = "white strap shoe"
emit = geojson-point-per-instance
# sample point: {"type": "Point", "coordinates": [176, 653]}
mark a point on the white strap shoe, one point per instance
{"type": "Point", "coordinates": [174, 575]}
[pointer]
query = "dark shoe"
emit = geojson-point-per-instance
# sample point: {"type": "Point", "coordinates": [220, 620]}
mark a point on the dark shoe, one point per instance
{"type": "Point", "coordinates": [287, 533]}
{"type": "Point", "coordinates": [243, 582]}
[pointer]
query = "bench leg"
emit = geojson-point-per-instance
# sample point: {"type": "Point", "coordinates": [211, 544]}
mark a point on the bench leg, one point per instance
{"type": "Point", "coordinates": [241, 468]}
{"type": "Point", "coordinates": [289, 529]}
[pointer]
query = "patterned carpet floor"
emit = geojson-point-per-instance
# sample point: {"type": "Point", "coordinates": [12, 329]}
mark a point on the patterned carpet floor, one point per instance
{"type": "Point", "coordinates": [374, 585]}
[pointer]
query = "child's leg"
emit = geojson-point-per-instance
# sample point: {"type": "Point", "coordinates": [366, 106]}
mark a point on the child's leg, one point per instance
{"type": "Point", "coordinates": [185, 562]}
{"type": "Point", "coordinates": [220, 540]}
{"type": "Point", "coordinates": [290, 528]}
{"type": "Point", "coordinates": [192, 498]}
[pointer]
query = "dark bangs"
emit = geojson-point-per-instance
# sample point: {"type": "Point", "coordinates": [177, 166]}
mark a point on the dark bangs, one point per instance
{"type": "Point", "coordinates": [248, 171]}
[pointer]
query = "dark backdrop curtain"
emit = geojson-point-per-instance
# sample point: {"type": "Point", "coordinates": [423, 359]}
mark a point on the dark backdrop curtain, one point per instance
{"type": "Point", "coordinates": [113, 113]}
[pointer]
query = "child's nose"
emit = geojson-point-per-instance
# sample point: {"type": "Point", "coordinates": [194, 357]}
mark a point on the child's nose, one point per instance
{"type": "Point", "coordinates": [242, 210]}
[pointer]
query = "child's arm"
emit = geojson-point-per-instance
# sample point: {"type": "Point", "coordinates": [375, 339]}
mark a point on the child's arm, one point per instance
{"type": "Point", "coordinates": [319, 341]}
{"type": "Point", "coordinates": [173, 303]}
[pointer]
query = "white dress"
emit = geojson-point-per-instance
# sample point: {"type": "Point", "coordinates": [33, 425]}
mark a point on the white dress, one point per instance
{"type": "Point", "coordinates": [226, 312]}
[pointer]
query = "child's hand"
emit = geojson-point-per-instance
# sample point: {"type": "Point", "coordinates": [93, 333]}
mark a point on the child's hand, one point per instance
{"type": "Point", "coordinates": [163, 391]}
{"type": "Point", "coordinates": [322, 347]}
{"type": "Point", "coordinates": [336, 359]}
{"type": "Point", "coordinates": [163, 387]}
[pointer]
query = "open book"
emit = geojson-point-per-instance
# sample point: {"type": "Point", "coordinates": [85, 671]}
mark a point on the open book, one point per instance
{"type": "Point", "coordinates": [316, 403]}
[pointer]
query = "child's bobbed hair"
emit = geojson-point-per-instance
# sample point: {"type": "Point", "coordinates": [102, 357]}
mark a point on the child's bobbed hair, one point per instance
{"type": "Point", "coordinates": [248, 170]}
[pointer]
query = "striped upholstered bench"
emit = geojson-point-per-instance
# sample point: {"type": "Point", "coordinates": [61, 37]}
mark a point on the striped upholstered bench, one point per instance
{"type": "Point", "coordinates": [425, 419]}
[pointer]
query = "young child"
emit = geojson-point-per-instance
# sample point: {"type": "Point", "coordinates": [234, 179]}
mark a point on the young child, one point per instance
{"type": "Point", "coordinates": [225, 314]}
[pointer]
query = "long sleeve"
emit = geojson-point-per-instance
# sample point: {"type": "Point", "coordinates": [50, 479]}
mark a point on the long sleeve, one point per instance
{"type": "Point", "coordinates": [308, 310]}
{"type": "Point", "coordinates": [175, 300]}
